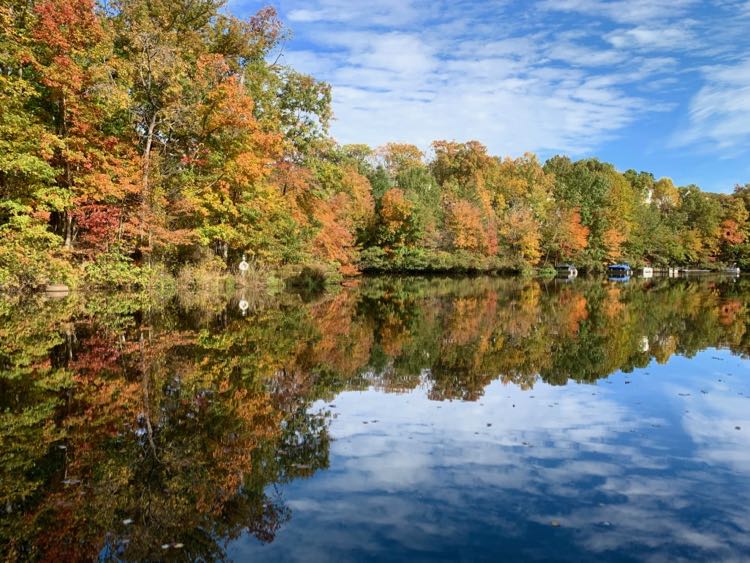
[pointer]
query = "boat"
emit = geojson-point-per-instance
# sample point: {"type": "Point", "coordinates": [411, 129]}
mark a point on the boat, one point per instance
{"type": "Point", "coordinates": [646, 272]}
{"type": "Point", "coordinates": [619, 270]}
{"type": "Point", "coordinates": [57, 290]}
{"type": "Point", "coordinates": [568, 271]}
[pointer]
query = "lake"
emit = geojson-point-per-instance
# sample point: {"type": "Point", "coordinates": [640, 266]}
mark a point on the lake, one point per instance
{"type": "Point", "coordinates": [400, 418]}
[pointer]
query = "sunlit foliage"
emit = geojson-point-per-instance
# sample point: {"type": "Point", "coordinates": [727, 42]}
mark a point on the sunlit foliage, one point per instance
{"type": "Point", "coordinates": [137, 133]}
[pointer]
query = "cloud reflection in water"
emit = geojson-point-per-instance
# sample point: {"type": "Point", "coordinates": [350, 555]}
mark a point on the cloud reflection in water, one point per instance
{"type": "Point", "coordinates": [652, 470]}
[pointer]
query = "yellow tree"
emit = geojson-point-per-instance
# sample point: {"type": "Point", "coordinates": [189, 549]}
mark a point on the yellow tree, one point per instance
{"type": "Point", "coordinates": [619, 215]}
{"type": "Point", "coordinates": [521, 234]}
{"type": "Point", "coordinates": [665, 195]}
{"type": "Point", "coordinates": [398, 157]}
{"type": "Point", "coordinates": [523, 181]}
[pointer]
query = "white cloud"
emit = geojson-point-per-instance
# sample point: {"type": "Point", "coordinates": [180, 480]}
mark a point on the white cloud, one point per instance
{"type": "Point", "coordinates": [623, 11]}
{"type": "Point", "coordinates": [720, 111]}
{"type": "Point", "coordinates": [503, 73]}
{"type": "Point", "coordinates": [578, 55]}
{"type": "Point", "coordinates": [515, 93]}
{"type": "Point", "coordinates": [383, 12]}
{"type": "Point", "coordinates": [396, 52]}
{"type": "Point", "coordinates": [642, 37]}
{"type": "Point", "coordinates": [491, 100]}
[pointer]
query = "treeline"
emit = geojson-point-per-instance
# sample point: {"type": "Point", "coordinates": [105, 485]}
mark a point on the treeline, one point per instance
{"type": "Point", "coordinates": [138, 136]}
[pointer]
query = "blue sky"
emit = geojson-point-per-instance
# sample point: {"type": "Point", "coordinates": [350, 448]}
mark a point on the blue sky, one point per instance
{"type": "Point", "coordinates": [654, 85]}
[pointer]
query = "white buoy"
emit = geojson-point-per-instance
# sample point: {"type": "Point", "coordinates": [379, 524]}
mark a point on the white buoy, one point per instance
{"type": "Point", "coordinates": [244, 306]}
{"type": "Point", "coordinates": [244, 266]}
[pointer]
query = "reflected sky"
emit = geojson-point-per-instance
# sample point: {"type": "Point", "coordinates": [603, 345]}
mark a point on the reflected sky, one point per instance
{"type": "Point", "coordinates": [648, 465]}
{"type": "Point", "coordinates": [397, 419]}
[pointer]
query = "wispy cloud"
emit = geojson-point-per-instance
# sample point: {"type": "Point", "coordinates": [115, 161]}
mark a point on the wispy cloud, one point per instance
{"type": "Point", "coordinates": [384, 12]}
{"type": "Point", "coordinates": [720, 111]}
{"type": "Point", "coordinates": [653, 38]}
{"type": "Point", "coordinates": [521, 87]}
{"type": "Point", "coordinates": [623, 11]}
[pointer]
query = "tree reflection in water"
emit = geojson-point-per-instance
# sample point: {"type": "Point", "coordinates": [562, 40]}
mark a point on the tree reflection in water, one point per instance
{"type": "Point", "coordinates": [138, 429]}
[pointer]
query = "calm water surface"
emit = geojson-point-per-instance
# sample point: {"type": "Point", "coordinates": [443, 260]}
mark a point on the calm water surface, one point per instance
{"type": "Point", "coordinates": [399, 419]}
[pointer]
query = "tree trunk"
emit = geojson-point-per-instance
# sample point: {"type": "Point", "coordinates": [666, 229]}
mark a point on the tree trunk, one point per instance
{"type": "Point", "coordinates": [68, 228]}
{"type": "Point", "coordinates": [146, 195]}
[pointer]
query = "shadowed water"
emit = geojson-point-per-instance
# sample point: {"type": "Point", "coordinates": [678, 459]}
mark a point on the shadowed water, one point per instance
{"type": "Point", "coordinates": [400, 419]}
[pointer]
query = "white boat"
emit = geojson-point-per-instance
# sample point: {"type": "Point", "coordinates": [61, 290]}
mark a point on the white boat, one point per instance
{"type": "Point", "coordinates": [566, 271]}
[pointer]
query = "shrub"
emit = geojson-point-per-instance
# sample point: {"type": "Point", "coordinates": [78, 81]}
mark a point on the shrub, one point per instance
{"type": "Point", "coordinates": [112, 270]}
{"type": "Point", "coordinates": [209, 273]}
{"type": "Point", "coordinates": [410, 259]}
{"type": "Point", "coordinates": [547, 271]}
{"type": "Point", "coordinates": [31, 256]}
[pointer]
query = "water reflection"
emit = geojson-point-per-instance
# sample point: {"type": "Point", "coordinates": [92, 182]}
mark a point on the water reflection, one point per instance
{"type": "Point", "coordinates": [554, 476]}
{"type": "Point", "coordinates": [139, 429]}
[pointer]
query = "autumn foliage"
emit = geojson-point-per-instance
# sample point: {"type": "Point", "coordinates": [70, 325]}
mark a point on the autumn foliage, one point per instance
{"type": "Point", "coordinates": [168, 133]}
